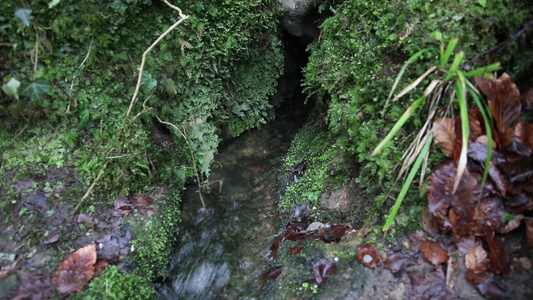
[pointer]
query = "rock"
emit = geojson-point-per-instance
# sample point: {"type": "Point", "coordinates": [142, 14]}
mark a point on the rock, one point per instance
{"type": "Point", "coordinates": [340, 200]}
{"type": "Point", "coordinates": [299, 17]}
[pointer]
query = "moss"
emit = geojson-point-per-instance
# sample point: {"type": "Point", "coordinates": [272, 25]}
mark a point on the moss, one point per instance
{"type": "Point", "coordinates": [325, 170]}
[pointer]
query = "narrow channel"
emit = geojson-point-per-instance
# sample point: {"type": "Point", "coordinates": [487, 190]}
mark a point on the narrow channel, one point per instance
{"type": "Point", "coordinates": [221, 251]}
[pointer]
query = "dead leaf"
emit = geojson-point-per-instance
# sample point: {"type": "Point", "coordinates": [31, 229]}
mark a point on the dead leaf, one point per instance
{"type": "Point", "coordinates": [430, 222]}
{"type": "Point", "coordinates": [301, 211]}
{"type": "Point", "coordinates": [76, 271]}
{"type": "Point", "coordinates": [465, 245]}
{"type": "Point", "coordinates": [296, 249]}
{"type": "Point", "coordinates": [141, 201]}
{"type": "Point", "coordinates": [475, 119]}
{"type": "Point", "coordinates": [271, 274]}
{"type": "Point", "coordinates": [100, 267]}
{"type": "Point", "coordinates": [476, 260]}
{"type": "Point", "coordinates": [529, 233]}
{"type": "Point", "coordinates": [333, 233]}
{"type": "Point", "coordinates": [367, 256]}
{"type": "Point", "coordinates": [501, 184]}
{"type": "Point", "coordinates": [498, 262]}
{"type": "Point", "coordinates": [83, 218]}
{"type": "Point", "coordinates": [122, 207]}
{"type": "Point", "coordinates": [52, 239]}
{"type": "Point", "coordinates": [511, 225]}
{"type": "Point", "coordinates": [504, 100]}
{"type": "Point", "coordinates": [434, 252]}
{"type": "Point", "coordinates": [323, 269]}
{"type": "Point", "coordinates": [492, 289]}
{"type": "Point", "coordinates": [451, 273]}
{"type": "Point", "coordinates": [444, 136]}
{"type": "Point", "coordinates": [527, 99]}
{"type": "Point", "coordinates": [397, 260]}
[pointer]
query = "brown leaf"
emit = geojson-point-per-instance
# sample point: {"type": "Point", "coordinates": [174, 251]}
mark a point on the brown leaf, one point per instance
{"type": "Point", "coordinates": [511, 225]}
{"type": "Point", "coordinates": [498, 262]}
{"type": "Point", "coordinates": [273, 252]}
{"type": "Point", "coordinates": [334, 233]}
{"type": "Point", "coordinates": [430, 222]}
{"type": "Point", "coordinates": [475, 119]}
{"type": "Point", "coordinates": [52, 239]}
{"type": "Point", "coordinates": [396, 260]}
{"type": "Point", "coordinates": [465, 245]}
{"type": "Point", "coordinates": [444, 135]}
{"type": "Point", "coordinates": [476, 260]}
{"type": "Point", "coordinates": [100, 267]}
{"type": "Point", "coordinates": [323, 269]}
{"type": "Point", "coordinates": [529, 233]}
{"type": "Point", "coordinates": [475, 278]}
{"type": "Point", "coordinates": [502, 185]}
{"type": "Point", "coordinates": [527, 100]}
{"type": "Point", "coordinates": [271, 274]}
{"type": "Point", "coordinates": [141, 201]}
{"type": "Point", "coordinates": [296, 249]}
{"type": "Point", "coordinates": [122, 207]}
{"type": "Point", "coordinates": [451, 273]}
{"type": "Point", "coordinates": [367, 256]}
{"type": "Point", "coordinates": [77, 270]}
{"type": "Point", "coordinates": [434, 252]}
{"type": "Point", "coordinates": [83, 218]}
{"type": "Point", "coordinates": [493, 290]}
{"type": "Point", "coordinates": [504, 100]}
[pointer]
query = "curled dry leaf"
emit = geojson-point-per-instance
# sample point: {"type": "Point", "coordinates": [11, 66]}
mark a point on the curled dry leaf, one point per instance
{"type": "Point", "coordinates": [323, 269]}
{"type": "Point", "coordinates": [476, 260]}
{"type": "Point", "coordinates": [122, 207]}
{"type": "Point", "coordinates": [451, 273]}
{"type": "Point", "coordinates": [367, 256]}
{"type": "Point", "coordinates": [492, 289]}
{"type": "Point", "coordinates": [77, 270]}
{"type": "Point", "coordinates": [511, 225]}
{"type": "Point", "coordinates": [52, 239]}
{"type": "Point", "coordinates": [296, 249]}
{"type": "Point", "coordinates": [141, 201]}
{"type": "Point", "coordinates": [444, 135]}
{"type": "Point", "coordinates": [271, 274]}
{"type": "Point", "coordinates": [434, 252]}
{"type": "Point", "coordinates": [498, 262]}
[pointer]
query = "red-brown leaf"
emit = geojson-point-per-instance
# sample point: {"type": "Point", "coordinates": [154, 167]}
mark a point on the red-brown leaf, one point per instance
{"type": "Point", "coordinates": [271, 274]}
{"type": "Point", "coordinates": [504, 100]}
{"type": "Point", "coordinates": [434, 252]}
{"type": "Point", "coordinates": [430, 222]}
{"type": "Point", "coordinates": [323, 269]}
{"type": "Point", "coordinates": [444, 135]}
{"type": "Point", "coordinates": [122, 207]}
{"type": "Point", "coordinates": [527, 100]}
{"type": "Point", "coordinates": [334, 233]}
{"type": "Point", "coordinates": [100, 267]}
{"type": "Point", "coordinates": [476, 260]}
{"type": "Point", "coordinates": [511, 224]}
{"type": "Point", "coordinates": [498, 262]}
{"type": "Point", "coordinates": [273, 252]}
{"type": "Point", "coordinates": [396, 260]}
{"type": "Point", "coordinates": [475, 119]}
{"type": "Point", "coordinates": [52, 239]}
{"type": "Point", "coordinates": [493, 290]}
{"type": "Point", "coordinates": [296, 249]}
{"type": "Point", "coordinates": [529, 233]}
{"type": "Point", "coordinates": [367, 256]}
{"type": "Point", "coordinates": [77, 270]}
{"type": "Point", "coordinates": [141, 201]}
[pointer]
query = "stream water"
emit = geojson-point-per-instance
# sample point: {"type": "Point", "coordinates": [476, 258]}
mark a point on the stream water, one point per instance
{"type": "Point", "coordinates": [221, 251]}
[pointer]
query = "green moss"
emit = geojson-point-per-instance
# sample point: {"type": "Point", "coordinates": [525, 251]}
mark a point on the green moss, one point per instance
{"type": "Point", "coordinates": [325, 169]}
{"type": "Point", "coordinates": [115, 284]}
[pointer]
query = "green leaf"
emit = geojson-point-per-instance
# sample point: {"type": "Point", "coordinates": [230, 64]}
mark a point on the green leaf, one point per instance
{"type": "Point", "coordinates": [24, 15]}
{"type": "Point", "coordinates": [206, 161]}
{"type": "Point", "coordinates": [448, 53]}
{"type": "Point", "coordinates": [11, 87]}
{"type": "Point", "coordinates": [35, 90]}
{"type": "Point", "coordinates": [436, 35]}
{"type": "Point", "coordinates": [392, 37]}
{"type": "Point", "coordinates": [460, 91]}
{"type": "Point", "coordinates": [169, 86]}
{"type": "Point", "coordinates": [148, 80]}
{"type": "Point", "coordinates": [53, 3]}
{"type": "Point", "coordinates": [507, 216]}
{"type": "Point", "coordinates": [482, 3]}
{"type": "Point", "coordinates": [455, 65]}
{"type": "Point", "coordinates": [483, 70]}
{"type": "Point", "coordinates": [407, 183]}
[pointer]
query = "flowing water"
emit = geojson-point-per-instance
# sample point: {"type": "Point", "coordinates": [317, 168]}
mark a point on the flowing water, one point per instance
{"type": "Point", "coordinates": [222, 249]}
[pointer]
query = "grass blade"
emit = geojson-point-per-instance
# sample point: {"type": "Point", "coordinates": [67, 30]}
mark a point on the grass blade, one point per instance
{"type": "Point", "coordinates": [400, 74]}
{"type": "Point", "coordinates": [407, 183]}
{"type": "Point", "coordinates": [398, 125]}
{"type": "Point", "coordinates": [481, 71]}
{"type": "Point", "coordinates": [488, 129]}
{"type": "Point", "coordinates": [448, 53]}
{"type": "Point", "coordinates": [460, 91]}
{"type": "Point", "coordinates": [415, 83]}
{"type": "Point", "coordinates": [455, 65]}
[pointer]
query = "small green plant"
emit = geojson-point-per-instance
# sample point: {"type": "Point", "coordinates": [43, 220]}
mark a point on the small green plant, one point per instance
{"type": "Point", "coordinates": [450, 82]}
{"type": "Point", "coordinates": [308, 287]}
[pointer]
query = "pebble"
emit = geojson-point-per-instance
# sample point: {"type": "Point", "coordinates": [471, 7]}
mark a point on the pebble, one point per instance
{"type": "Point", "coordinates": [525, 263]}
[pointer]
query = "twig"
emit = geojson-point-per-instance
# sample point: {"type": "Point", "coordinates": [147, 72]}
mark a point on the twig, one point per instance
{"type": "Point", "coordinates": [198, 179]}
{"type": "Point", "coordinates": [141, 68]}
{"type": "Point", "coordinates": [76, 74]}
{"type": "Point", "coordinates": [36, 50]}
{"type": "Point", "coordinates": [90, 188]}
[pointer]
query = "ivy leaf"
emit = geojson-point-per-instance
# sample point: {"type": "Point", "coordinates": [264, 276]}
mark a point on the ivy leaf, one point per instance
{"type": "Point", "coordinates": [35, 90]}
{"type": "Point", "coordinates": [24, 15]}
{"type": "Point", "coordinates": [148, 80]}
{"type": "Point", "coordinates": [11, 87]}
{"type": "Point", "coordinates": [53, 3]}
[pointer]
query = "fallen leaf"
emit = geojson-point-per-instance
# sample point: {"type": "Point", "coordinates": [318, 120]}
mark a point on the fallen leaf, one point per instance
{"type": "Point", "coordinates": [511, 224]}
{"type": "Point", "coordinates": [502, 185]}
{"type": "Point", "coordinates": [271, 274]}
{"type": "Point", "coordinates": [529, 233]}
{"type": "Point", "coordinates": [323, 269]}
{"type": "Point", "coordinates": [451, 273]}
{"type": "Point", "coordinates": [76, 271]}
{"type": "Point", "coordinates": [301, 211]}
{"type": "Point", "coordinates": [492, 289]}
{"type": "Point", "coordinates": [333, 234]}
{"type": "Point", "coordinates": [296, 249]}
{"type": "Point", "coordinates": [100, 267]}
{"type": "Point", "coordinates": [52, 239]}
{"type": "Point", "coordinates": [417, 240]}
{"type": "Point", "coordinates": [498, 262]}
{"type": "Point", "coordinates": [122, 207]}
{"type": "Point", "coordinates": [430, 222]}
{"type": "Point", "coordinates": [475, 119]}
{"type": "Point", "coordinates": [83, 218]}
{"type": "Point", "coordinates": [141, 201]}
{"type": "Point", "coordinates": [397, 260]}
{"type": "Point", "coordinates": [367, 256]}
{"type": "Point", "coordinates": [434, 252]}
{"type": "Point", "coordinates": [527, 99]}
{"type": "Point", "coordinates": [504, 100]}
{"type": "Point", "coordinates": [475, 278]}
{"type": "Point", "coordinates": [465, 245]}
{"type": "Point", "coordinates": [273, 252]}
{"type": "Point", "coordinates": [476, 260]}
{"type": "Point", "coordinates": [444, 136]}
